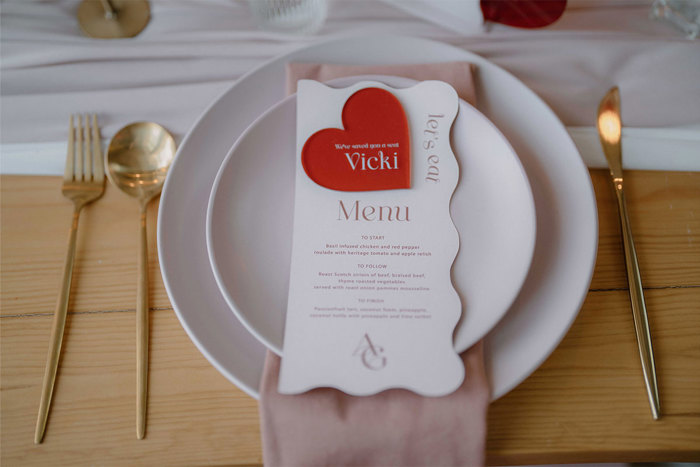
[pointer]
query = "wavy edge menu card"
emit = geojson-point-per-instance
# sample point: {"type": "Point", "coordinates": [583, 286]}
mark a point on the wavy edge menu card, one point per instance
{"type": "Point", "coordinates": [371, 303]}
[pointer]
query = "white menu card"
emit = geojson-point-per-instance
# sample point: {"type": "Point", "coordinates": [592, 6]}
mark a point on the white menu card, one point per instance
{"type": "Point", "coordinates": [371, 303]}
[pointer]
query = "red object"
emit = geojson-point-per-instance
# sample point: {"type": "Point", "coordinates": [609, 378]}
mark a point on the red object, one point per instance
{"type": "Point", "coordinates": [372, 152]}
{"type": "Point", "coordinates": [523, 13]}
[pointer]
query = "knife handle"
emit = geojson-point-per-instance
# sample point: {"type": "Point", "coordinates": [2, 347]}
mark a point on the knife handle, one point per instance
{"type": "Point", "coordinates": [639, 309]}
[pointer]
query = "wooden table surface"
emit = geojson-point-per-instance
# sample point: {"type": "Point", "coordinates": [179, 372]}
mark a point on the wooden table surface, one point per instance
{"type": "Point", "coordinates": [586, 403]}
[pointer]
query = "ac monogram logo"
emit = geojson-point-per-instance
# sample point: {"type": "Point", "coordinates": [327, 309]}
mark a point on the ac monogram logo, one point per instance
{"type": "Point", "coordinates": [370, 354]}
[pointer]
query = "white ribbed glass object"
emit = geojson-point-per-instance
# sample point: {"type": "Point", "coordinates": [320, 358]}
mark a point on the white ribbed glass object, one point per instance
{"type": "Point", "coordinates": [290, 16]}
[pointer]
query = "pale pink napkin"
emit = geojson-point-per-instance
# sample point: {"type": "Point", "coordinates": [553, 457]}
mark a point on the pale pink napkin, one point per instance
{"type": "Point", "coordinates": [326, 427]}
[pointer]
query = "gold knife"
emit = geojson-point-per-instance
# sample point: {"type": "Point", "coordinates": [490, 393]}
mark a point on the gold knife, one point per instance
{"type": "Point", "coordinates": [610, 131]}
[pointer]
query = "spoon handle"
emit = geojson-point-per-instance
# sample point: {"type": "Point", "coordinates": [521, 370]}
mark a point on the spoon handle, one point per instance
{"type": "Point", "coordinates": [142, 330]}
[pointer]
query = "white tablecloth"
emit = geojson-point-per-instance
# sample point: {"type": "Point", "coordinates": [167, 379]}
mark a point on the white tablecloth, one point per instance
{"type": "Point", "coordinates": [193, 50]}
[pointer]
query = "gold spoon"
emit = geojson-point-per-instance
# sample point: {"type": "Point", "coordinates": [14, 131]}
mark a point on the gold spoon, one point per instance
{"type": "Point", "coordinates": [138, 160]}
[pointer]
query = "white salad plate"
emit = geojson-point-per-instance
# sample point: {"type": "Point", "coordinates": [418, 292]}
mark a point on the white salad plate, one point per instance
{"type": "Point", "coordinates": [567, 228]}
{"type": "Point", "coordinates": [250, 214]}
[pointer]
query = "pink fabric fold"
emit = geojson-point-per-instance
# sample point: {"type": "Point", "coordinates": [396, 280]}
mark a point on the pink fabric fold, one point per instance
{"type": "Point", "coordinates": [457, 74]}
{"type": "Point", "coordinates": [326, 427]}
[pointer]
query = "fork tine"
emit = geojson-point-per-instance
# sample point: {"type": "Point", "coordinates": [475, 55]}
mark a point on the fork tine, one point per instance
{"type": "Point", "coordinates": [68, 172]}
{"type": "Point", "coordinates": [79, 153]}
{"type": "Point", "coordinates": [87, 170]}
{"type": "Point", "coordinates": [98, 171]}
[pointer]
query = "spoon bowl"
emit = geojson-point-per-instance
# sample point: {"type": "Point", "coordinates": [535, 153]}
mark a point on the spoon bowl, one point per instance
{"type": "Point", "coordinates": [139, 157]}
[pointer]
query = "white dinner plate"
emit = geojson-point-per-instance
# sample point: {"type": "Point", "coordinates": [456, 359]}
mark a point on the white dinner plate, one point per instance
{"type": "Point", "coordinates": [249, 221]}
{"type": "Point", "coordinates": [565, 207]}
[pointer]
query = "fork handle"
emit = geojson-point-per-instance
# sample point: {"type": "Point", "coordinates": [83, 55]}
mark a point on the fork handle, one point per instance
{"type": "Point", "coordinates": [639, 309]}
{"type": "Point", "coordinates": [59, 324]}
{"type": "Point", "coordinates": [142, 329]}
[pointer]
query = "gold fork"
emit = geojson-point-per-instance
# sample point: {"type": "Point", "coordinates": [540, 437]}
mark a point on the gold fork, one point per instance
{"type": "Point", "coordinates": [83, 183]}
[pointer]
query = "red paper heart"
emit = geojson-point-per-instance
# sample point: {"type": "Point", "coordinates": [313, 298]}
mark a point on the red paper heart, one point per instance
{"type": "Point", "coordinates": [528, 14]}
{"type": "Point", "coordinates": [372, 152]}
